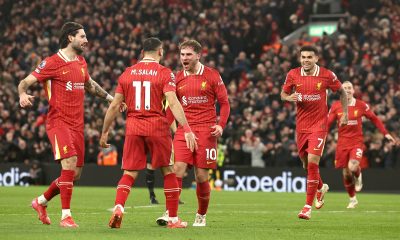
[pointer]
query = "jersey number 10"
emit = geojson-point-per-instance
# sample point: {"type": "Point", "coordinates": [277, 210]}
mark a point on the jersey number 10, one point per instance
{"type": "Point", "coordinates": [138, 94]}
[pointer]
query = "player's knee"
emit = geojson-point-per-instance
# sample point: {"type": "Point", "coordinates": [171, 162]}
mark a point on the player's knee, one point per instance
{"type": "Point", "coordinates": [179, 170]}
{"type": "Point", "coordinates": [347, 173]}
{"type": "Point", "coordinates": [353, 165]}
{"type": "Point", "coordinates": [69, 163]}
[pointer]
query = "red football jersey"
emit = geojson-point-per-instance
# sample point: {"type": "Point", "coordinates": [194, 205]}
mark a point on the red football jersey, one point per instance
{"type": "Point", "coordinates": [312, 108]}
{"type": "Point", "coordinates": [197, 94]}
{"type": "Point", "coordinates": [143, 86]}
{"type": "Point", "coordinates": [64, 82]}
{"type": "Point", "coordinates": [352, 134]}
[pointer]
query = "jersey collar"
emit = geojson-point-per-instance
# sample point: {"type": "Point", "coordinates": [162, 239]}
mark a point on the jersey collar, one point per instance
{"type": "Point", "coordinates": [315, 74]}
{"type": "Point", "coordinates": [148, 60]}
{"type": "Point", "coordinates": [352, 102]}
{"type": "Point", "coordinates": [199, 72]}
{"type": "Point", "coordinates": [64, 57]}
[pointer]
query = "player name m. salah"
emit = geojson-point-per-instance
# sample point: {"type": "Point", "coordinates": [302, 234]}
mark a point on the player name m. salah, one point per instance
{"type": "Point", "coordinates": [149, 72]}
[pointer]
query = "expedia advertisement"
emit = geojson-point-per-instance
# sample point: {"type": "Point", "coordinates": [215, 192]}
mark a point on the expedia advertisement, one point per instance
{"type": "Point", "coordinates": [233, 179]}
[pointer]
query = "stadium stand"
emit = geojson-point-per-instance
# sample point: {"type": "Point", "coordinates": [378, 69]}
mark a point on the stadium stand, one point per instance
{"type": "Point", "coordinates": [240, 39]}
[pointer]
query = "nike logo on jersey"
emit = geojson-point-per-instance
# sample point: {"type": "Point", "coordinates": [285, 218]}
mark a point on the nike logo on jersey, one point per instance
{"type": "Point", "coordinates": [65, 72]}
{"type": "Point", "coordinates": [210, 162]}
{"type": "Point", "coordinates": [316, 149]}
{"type": "Point", "coordinates": [298, 85]}
{"type": "Point", "coordinates": [179, 88]}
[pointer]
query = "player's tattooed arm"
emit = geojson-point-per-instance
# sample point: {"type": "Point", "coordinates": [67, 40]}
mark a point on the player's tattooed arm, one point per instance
{"type": "Point", "coordinates": [94, 88]}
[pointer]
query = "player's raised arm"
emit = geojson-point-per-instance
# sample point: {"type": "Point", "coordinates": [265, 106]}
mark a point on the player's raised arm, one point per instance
{"type": "Point", "coordinates": [343, 100]}
{"type": "Point", "coordinates": [25, 100]}
{"type": "Point", "coordinates": [379, 124]}
{"type": "Point", "coordinates": [111, 113]}
{"type": "Point", "coordinates": [179, 115]}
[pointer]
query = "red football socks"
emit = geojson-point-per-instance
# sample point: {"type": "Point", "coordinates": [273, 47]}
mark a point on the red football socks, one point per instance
{"type": "Point", "coordinates": [320, 183]}
{"type": "Point", "coordinates": [203, 196]}
{"type": "Point", "coordinates": [171, 191]}
{"type": "Point", "coordinates": [179, 179]}
{"type": "Point", "coordinates": [357, 173]}
{"type": "Point", "coordinates": [66, 185]}
{"type": "Point", "coordinates": [313, 179]}
{"type": "Point", "coordinates": [349, 185]}
{"type": "Point", "coordinates": [123, 189]}
{"type": "Point", "coordinates": [52, 191]}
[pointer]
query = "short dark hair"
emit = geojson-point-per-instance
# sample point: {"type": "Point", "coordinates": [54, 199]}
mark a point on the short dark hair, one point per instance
{"type": "Point", "coordinates": [151, 44]}
{"type": "Point", "coordinates": [309, 48]}
{"type": "Point", "coordinates": [68, 29]}
{"type": "Point", "coordinates": [192, 44]}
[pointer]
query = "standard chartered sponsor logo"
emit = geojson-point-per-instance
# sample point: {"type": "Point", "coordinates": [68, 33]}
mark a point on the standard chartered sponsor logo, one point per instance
{"type": "Point", "coordinates": [352, 122]}
{"type": "Point", "coordinates": [69, 86]}
{"type": "Point", "coordinates": [194, 100]}
{"type": "Point", "coordinates": [308, 97]}
{"type": "Point", "coordinates": [283, 183]}
{"type": "Point", "coordinates": [184, 101]}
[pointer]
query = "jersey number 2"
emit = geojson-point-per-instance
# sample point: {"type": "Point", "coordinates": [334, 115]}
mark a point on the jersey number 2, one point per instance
{"type": "Point", "coordinates": [138, 94]}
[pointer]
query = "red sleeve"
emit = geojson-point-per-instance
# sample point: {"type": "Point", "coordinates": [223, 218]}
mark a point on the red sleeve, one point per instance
{"type": "Point", "coordinates": [222, 97]}
{"type": "Point", "coordinates": [169, 115]}
{"type": "Point", "coordinates": [87, 76]}
{"type": "Point", "coordinates": [333, 83]}
{"type": "Point", "coordinates": [289, 83]}
{"type": "Point", "coordinates": [375, 120]}
{"type": "Point", "coordinates": [168, 79]}
{"type": "Point", "coordinates": [45, 70]}
{"type": "Point", "coordinates": [332, 115]}
{"type": "Point", "coordinates": [119, 88]}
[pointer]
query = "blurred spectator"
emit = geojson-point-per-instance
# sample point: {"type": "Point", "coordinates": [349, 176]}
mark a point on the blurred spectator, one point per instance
{"type": "Point", "coordinates": [243, 39]}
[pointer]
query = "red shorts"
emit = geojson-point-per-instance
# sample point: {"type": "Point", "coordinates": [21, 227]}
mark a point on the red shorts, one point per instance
{"type": "Point", "coordinates": [343, 155]}
{"type": "Point", "coordinates": [204, 157]}
{"type": "Point", "coordinates": [311, 143]}
{"type": "Point", "coordinates": [67, 143]}
{"type": "Point", "coordinates": [137, 147]}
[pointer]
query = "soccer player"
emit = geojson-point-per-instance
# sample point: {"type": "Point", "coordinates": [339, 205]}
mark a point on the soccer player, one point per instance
{"type": "Point", "coordinates": [350, 145]}
{"type": "Point", "coordinates": [307, 86]}
{"type": "Point", "coordinates": [150, 171]}
{"type": "Point", "coordinates": [65, 78]}
{"type": "Point", "coordinates": [145, 87]}
{"type": "Point", "coordinates": [198, 88]}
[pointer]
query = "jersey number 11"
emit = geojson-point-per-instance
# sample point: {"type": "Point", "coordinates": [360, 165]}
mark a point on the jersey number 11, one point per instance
{"type": "Point", "coordinates": [138, 94]}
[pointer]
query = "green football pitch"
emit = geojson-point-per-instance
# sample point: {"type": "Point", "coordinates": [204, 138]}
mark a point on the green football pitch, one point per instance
{"type": "Point", "coordinates": [232, 215]}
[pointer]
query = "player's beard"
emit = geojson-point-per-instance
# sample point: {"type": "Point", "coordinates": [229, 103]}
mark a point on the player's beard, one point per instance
{"type": "Point", "coordinates": [77, 48]}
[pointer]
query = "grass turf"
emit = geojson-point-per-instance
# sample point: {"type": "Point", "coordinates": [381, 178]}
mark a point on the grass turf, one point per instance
{"type": "Point", "coordinates": [231, 215]}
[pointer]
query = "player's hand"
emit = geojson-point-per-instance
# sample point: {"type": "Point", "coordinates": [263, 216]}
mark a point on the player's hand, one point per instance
{"type": "Point", "coordinates": [294, 97]}
{"type": "Point", "coordinates": [25, 100]}
{"type": "Point", "coordinates": [191, 142]}
{"type": "Point", "coordinates": [344, 119]}
{"type": "Point", "coordinates": [217, 131]}
{"type": "Point", "coordinates": [123, 107]}
{"type": "Point", "coordinates": [103, 140]}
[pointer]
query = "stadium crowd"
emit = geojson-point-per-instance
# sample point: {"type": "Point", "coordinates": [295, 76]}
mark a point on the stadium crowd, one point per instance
{"type": "Point", "coordinates": [240, 39]}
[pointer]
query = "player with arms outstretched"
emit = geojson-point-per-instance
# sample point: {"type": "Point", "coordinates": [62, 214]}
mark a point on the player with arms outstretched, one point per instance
{"type": "Point", "coordinates": [65, 78]}
{"type": "Point", "coordinates": [350, 146]}
{"type": "Point", "coordinates": [144, 87]}
{"type": "Point", "coordinates": [198, 89]}
{"type": "Point", "coordinates": [307, 86]}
